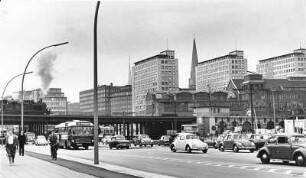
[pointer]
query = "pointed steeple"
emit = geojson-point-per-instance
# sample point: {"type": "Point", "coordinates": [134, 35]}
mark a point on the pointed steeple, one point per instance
{"type": "Point", "coordinates": [194, 63]}
{"type": "Point", "coordinates": [130, 74]}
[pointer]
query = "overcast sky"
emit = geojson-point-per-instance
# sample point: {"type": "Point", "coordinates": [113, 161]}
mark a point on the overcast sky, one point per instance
{"type": "Point", "coordinates": [139, 29]}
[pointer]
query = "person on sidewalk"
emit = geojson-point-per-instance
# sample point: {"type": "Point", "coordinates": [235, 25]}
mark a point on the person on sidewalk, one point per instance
{"type": "Point", "coordinates": [53, 141]}
{"type": "Point", "coordinates": [11, 144]}
{"type": "Point", "coordinates": [21, 140]}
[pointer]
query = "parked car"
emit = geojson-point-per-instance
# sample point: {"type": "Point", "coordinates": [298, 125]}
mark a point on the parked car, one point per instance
{"type": "Point", "coordinates": [236, 142]}
{"type": "Point", "coordinates": [119, 141]}
{"type": "Point", "coordinates": [30, 137]}
{"type": "Point", "coordinates": [218, 141]}
{"type": "Point", "coordinates": [41, 140]}
{"type": "Point", "coordinates": [259, 140]}
{"type": "Point", "coordinates": [142, 139]}
{"type": "Point", "coordinates": [106, 139]}
{"type": "Point", "coordinates": [164, 140]}
{"type": "Point", "coordinates": [188, 142]}
{"type": "Point", "coordinates": [285, 147]}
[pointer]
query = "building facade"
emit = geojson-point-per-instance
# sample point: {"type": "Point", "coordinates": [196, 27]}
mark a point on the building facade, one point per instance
{"type": "Point", "coordinates": [109, 102]}
{"type": "Point", "coordinates": [214, 74]}
{"type": "Point", "coordinates": [56, 101]}
{"type": "Point", "coordinates": [278, 67]}
{"type": "Point", "coordinates": [156, 73]}
{"type": "Point", "coordinates": [121, 101]}
{"type": "Point", "coordinates": [73, 109]}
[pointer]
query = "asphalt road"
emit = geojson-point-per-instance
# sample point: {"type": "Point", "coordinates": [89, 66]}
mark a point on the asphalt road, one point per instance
{"type": "Point", "coordinates": [160, 160]}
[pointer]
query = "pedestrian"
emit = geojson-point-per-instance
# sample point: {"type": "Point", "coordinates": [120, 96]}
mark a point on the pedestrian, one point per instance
{"type": "Point", "coordinates": [53, 140]}
{"type": "Point", "coordinates": [11, 144]}
{"type": "Point", "coordinates": [21, 141]}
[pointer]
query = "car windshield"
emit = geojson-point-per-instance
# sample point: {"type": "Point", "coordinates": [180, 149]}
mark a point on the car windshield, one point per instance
{"type": "Point", "coordinates": [144, 136]}
{"type": "Point", "coordinates": [298, 140]}
{"type": "Point", "coordinates": [120, 138]}
{"type": "Point", "coordinates": [41, 137]}
{"type": "Point", "coordinates": [243, 137]}
{"type": "Point", "coordinates": [192, 137]}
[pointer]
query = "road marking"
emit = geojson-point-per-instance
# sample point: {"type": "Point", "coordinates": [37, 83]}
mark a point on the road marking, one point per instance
{"type": "Point", "coordinates": [288, 172]}
{"type": "Point", "coordinates": [231, 165]}
{"type": "Point", "coordinates": [198, 162]}
{"type": "Point", "coordinates": [242, 167]}
{"type": "Point", "coordinates": [271, 170]}
{"type": "Point", "coordinates": [257, 168]}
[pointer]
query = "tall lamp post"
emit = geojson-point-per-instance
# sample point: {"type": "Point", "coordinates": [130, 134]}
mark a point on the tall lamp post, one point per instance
{"type": "Point", "coordinates": [25, 70]}
{"type": "Point", "coordinates": [2, 110]}
{"type": "Point", "coordinates": [273, 111]}
{"type": "Point", "coordinates": [96, 120]}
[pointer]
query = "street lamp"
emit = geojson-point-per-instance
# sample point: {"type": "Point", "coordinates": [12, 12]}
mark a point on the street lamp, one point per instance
{"type": "Point", "coordinates": [273, 110]}
{"type": "Point", "coordinates": [3, 95]}
{"type": "Point", "coordinates": [25, 70]}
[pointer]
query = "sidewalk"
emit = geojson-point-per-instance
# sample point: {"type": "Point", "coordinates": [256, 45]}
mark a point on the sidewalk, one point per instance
{"type": "Point", "coordinates": [27, 166]}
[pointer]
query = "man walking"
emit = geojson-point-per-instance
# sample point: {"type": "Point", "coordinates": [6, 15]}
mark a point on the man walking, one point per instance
{"type": "Point", "coordinates": [53, 145]}
{"type": "Point", "coordinates": [22, 141]}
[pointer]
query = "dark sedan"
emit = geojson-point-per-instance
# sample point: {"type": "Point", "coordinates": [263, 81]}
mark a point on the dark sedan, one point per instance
{"type": "Point", "coordinates": [285, 147]}
{"type": "Point", "coordinates": [119, 141]}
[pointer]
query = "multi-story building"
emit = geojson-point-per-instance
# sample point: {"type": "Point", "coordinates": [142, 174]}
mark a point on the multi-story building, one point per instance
{"type": "Point", "coordinates": [278, 67]}
{"type": "Point", "coordinates": [121, 101]}
{"type": "Point", "coordinates": [73, 109]}
{"type": "Point", "coordinates": [56, 101]}
{"type": "Point", "coordinates": [108, 99]}
{"type": "Point", "coordinates": [156, 73]}
{"type": "Point", "coordinates": [33, 95]}
{"type": "Point", "coordinates": [215, 74]}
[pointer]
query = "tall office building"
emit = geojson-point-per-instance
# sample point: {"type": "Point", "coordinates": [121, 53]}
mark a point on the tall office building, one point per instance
{"type": "Point", "coordinates": [215, 74]}
{"type": "Point", "coordinates": [194, 64]}
{"type": "Point", "coordinates": [156, 73]}
{"type": "Point", "coordinates": [56, 101]}
{"type": "Point", "coordinates": [287, 65]}
{"type": "Point", "coordinates": [110, 99]}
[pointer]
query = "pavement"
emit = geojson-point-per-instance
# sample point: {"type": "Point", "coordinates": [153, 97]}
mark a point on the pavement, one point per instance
{"type": "Point", "coordinates": [39, 165]}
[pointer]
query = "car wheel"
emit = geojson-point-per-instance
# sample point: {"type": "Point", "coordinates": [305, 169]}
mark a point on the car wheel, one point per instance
{"type": "Point", "coordinates": [264, 158]}
{"type": "Point", "coordinates": [188, 149]}
{"type": "Point", "coordinates": [205, 151]}
{"type": "Point", "coordinates": [300, 160]}
{"type": "Point", "coordinates": [286, 162]}
{"type": "Point", "coordinates": [251, 150]}
{"type": "Point", "coordinates": [110, 147]}
{"type": "Point", "coordinates": [236, 149]}
{"type": "Point", "coordinates": [151, 145]}
{"type": "Point", "coordinates": [145, 145]}
{"type": "Point", "coordinates": [172, 148]}
{"type": "Point", "coordinates": [128, 147]}
{"type": "Point", "coordinates": [221, 148]}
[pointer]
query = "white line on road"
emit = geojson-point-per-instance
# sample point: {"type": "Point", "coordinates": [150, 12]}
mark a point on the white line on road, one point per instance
{"type": "Point", "coordinates": [288, 172]}
{"type": "Point", "coordinates": [271, 170]}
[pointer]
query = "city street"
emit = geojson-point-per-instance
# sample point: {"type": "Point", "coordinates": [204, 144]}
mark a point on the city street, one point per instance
{"type": "Point", "coordinates": [159, 160]}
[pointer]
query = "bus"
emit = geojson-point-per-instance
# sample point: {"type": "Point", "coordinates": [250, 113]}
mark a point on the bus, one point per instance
{"type": "Point", "coordinates": [75, 134]}
{"type": "Point", "coordinates": [106, 133]}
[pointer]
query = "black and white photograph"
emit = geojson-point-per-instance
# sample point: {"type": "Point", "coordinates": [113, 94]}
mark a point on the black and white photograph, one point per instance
{"type": "Point", "coordinates": [153, 88]}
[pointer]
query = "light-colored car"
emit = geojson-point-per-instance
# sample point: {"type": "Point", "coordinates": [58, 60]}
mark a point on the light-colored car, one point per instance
{"type": "Point", "coordinates": [142, 140]}
{"type": "Point", "coordinates": [236, 142]}
{"type": "Point", "coordinates": [188, 142]}
{"type": "Point", "coordinates": [41, 140]}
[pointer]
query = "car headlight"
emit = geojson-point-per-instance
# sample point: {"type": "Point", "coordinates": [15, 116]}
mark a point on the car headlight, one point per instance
{"type": "Point", "coordinates": [72, 141]}
{"type": "Point", "coordinates": [252, 143]}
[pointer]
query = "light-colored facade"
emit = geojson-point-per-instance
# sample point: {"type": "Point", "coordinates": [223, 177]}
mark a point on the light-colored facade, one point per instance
{"type": "Point", "coordinates": [281, 67]}
{"type": "Point", "coordinates": [156, 73]}
{"type": "Point", "coordinates": [215, 74]}
{"type": "Point", "coordinates": [121, 101]}
{"type": "Point", "coordinates": [56, 101]}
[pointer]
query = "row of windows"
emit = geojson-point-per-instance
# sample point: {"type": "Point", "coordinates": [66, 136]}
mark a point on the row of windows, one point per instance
{"type": "Point", "coordinates": [167, 61]}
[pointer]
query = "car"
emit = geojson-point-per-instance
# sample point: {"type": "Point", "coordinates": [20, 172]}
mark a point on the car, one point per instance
{"type": "Point", "coordinates": [41, 140]}
{"type": "Point", "coordinates": [119, 141]}
{"type": "Point", "coordinates": [142, 140]}
{"type": "Point", "coordinates": [259, 140]}
{"type": "Point", "coordinates": [164, 140]}
{"type": "Point", "coordinates": [30, 137]}
{"type": "Point", "coordinates": [218, 141]}
{"type": "Point", "coordinates": [188, 142]}
{"type": "Point", "coordinates": [285, 147]}
{"type": "Point", "coordinates": [236, 142]}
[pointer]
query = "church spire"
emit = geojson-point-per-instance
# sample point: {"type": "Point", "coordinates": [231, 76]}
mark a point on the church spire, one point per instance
{"type": "Point", "coordinates": [194, 63]}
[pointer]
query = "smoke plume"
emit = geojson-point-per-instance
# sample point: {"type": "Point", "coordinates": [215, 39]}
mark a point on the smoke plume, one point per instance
{"type": "Point", "coordinates": [45, 68]}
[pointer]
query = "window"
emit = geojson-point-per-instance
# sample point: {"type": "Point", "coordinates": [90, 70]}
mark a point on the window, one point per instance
{"type": "Point", "coordinates": [282, 140]}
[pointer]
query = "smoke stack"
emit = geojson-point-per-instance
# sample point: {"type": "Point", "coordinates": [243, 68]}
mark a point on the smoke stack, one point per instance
{"type": "Point", "coordinates": [45, 68]}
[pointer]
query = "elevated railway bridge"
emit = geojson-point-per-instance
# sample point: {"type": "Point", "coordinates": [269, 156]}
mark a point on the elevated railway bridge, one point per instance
{"type": "Point", "coordinates": [155, 126]}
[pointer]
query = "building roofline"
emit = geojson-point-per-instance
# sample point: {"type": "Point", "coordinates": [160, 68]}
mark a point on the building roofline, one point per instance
{"type": "Point", "coordinates": [284, 55]}
{"type": "Point", "coordinates": [228, 55]}
{"type": "Point", "coordinates": [152, 57]}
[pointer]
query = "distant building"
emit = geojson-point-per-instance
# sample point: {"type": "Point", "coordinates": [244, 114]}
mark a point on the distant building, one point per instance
{"type": "Point", "coordinates": [34, 95]}
{"type": "Point", "coordinates": [56, 101]}
{"type": "Point", "coordinates": [214, 74]}
{"type": "Point", "coordinates": [280, 67]}
{"type": "Point", "coordinates": [111, 100]}
{"type": "Point", "coordinates": [30, 107]}
{"type": "Point", "coordinates": [156, 73]}
{"type": "Point", "coordinates": [74, 109]}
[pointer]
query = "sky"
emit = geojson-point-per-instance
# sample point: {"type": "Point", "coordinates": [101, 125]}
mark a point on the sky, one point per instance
{"type": "Point", "coordinates": [135, 30]}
